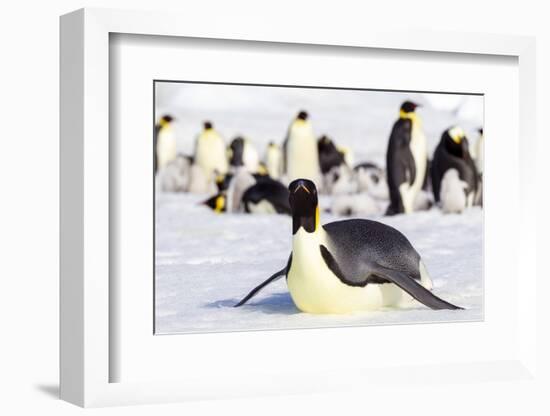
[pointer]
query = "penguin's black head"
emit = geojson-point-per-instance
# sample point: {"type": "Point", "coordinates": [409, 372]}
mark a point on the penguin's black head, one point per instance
{"type": "Point", "coordinates": [208, 125]}
{"type": "Point", "coordinates": [302, 115]}
{"type": "Point", "coordinates": [455, 142]}
{"type": "Point", "coordinates": [237, 152]}
{"type": "Point", "coordinates": [167, 118]}
{"type": "Point", "coordinates": [480, 130]}
{"type": "Point", "coordinates": [304, 205]}
{"type": "Point", "coordinates": [409, 107]}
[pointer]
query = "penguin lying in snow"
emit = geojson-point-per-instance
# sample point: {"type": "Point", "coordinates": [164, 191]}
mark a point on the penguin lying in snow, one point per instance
{"type": "Point", "coordinates": [253, 194]}
{"type": "Point", "coordinates": [452, 152]}
{"type": "Point", "coordinates": [348, 266]}
{"type": "Point", "coordinates": [266, 197]}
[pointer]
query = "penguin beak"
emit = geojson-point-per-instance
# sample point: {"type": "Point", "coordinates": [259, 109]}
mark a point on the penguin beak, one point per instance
{"type": "Point", "coordinates": [304, 203]}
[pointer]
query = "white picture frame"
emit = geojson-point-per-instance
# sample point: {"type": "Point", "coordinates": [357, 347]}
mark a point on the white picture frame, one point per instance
{"type": "Point", "coordinates": [86, 356]}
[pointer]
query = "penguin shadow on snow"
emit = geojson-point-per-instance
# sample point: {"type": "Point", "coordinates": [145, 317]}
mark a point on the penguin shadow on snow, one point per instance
{"type": "Point", "coordinates": [277, 304]}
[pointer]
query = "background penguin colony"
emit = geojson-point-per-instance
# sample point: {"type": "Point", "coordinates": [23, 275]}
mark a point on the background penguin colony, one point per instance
{"type": "Point", "coordinates": [241, 178]}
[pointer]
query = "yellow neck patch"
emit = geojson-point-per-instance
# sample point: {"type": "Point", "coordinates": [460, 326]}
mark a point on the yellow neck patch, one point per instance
{"type": "Point", "coordinates": [411, 116]}
{"type": "Point", "coordinates": [457, 134]}
{"type": "Point", "coordinates": [163, 123]}
{"type": "Point", "coordinates": [317, 218]}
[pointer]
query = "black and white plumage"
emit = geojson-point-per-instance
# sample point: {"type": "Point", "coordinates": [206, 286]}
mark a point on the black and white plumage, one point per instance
{"type": "Point", "coordinates": [329, 155]}
{"type": "Point", "coordinates": [266, 196]}
{"type": "Point", "coordinates": [164, 143]}
{"type": "Point", "coordinates": [452, 152]}
{"type": "Point", "coordinates": [348, 266]}
{"type": "Point", "coordinates": [406, 160]}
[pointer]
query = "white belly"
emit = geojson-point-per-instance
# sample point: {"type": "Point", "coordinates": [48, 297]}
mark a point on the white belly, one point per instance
{"type": "Point", "coordinates": [419, 150]}
{"type": "Point", "coordinates": [273, 163]}
{"type": "Point", "coordinates": [166, 147]}
{"type": "Point", "coordinates": [302, 156]}
{"type": "Point", "coordinates": [211, 155]}
{"type": "Point", "coordinates": [262, 207]}
{"type": "Point", "coordinates": [315, 289]}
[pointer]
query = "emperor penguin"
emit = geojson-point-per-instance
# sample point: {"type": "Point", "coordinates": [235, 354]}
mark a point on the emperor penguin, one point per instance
{"type": "Point", "coordinates": [350, 265]}
{"type": "Point", "coordinates": [267, 196]}
{"type": "Point", "coordinates": [479, 154]}
{"type": "Point", "coordinates": [274, 160]}
{"type": "Point", "coordinates": [300, 148]}
{"type": "Point", "coordinates": [406, 160]}
{"type": "Point", "coordinates": [243, 153]}
{"type": "Point", "coordinates": [164, 143]}
{"type": "Point", "coordinates": [210, 152]}
{"type": "Point", "coordinates": [452, 152]}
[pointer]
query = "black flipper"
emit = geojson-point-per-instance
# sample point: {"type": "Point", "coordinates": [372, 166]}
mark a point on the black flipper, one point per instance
{"type": "Point", "coordinates": [415, 289]}
{"type": "Point", "coordinates": [276, 276]}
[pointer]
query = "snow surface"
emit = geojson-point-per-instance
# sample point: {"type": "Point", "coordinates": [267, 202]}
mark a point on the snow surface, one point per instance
{"type": "Point", "coordinates": [206, 262]}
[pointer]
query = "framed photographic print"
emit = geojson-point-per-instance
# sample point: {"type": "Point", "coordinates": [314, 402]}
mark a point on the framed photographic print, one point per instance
{"type": "Point", "coordinates": [227, 198]}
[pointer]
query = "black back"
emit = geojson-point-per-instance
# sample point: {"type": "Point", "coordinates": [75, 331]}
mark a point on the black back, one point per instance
{"type": "Point", "coordinates": [271, 190]}
{"type": "Point", "coordinates": [400, 164]}
{"type": "Point", "coordinates": [360, 246]}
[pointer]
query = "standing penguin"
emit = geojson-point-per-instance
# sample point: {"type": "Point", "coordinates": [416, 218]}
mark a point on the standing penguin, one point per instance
{"type": "Point", "coordinates": [210, 152]}
{"type": "Point", "coordinates": [480, 146]}
{"type": "Point", "coordinates": [348, 266]}
{"type": "Point", "coordinates": [164, 143]}
{"type": "Point", "coordinates": [406, 160]}
{"type": "Point", "coordinates": [452, 153]}
{"type": "Point", "coordinates": [300, 148]}
{"type": "Point", "coordinates": [274, 160]}
{"type": "Point", "coordinates": [243, 153]}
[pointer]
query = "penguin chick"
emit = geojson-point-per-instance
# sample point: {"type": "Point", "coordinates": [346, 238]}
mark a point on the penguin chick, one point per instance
{"type": "Point", "coordinates": [175, 176]}
{"type": "Point", "coordinates": [372, 179]}
{"type": "Point", "coordinates": [362, 205]}
{"type": "Point", "coordinates": [199, 183]}
{"type": "Point", "coordinates": [453, 193]}
{"type": "Point", "coordinates": [340, 180]}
